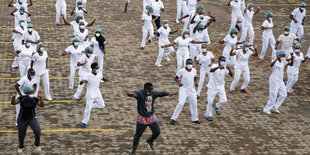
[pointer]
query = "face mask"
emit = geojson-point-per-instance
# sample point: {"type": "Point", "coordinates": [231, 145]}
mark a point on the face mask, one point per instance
{"type": "Point", "coordinates": [236, 0]}
{"type": "Point", "coordinates": [201, 16]}
{"type": "Point", "coordinates": [222, 63]}
{"type": "Point", "coordinates": [234, 35]}
{"type": "Point", "coordinates": [89, 55]}
{"type": "Point", "coordinates": [252, 8]}
{"type": "Point", "coordinates": [20, 1]}
{"type": "Point", "coordinates": [82, 27]}
{"type": "Point", "coordinates": [22, 24]}
{"type": "Point", "coordinates": [156, 0]}
{"type": "Point", "coordinates": [297, 50]}
{"type": "Point", "coordinates": [28, 44]}
{"type": "Point", "coordinates": [186, 36]}
{"type": "Point", "coordinates": [189, 66]}
{"type": "Point", "coordinates": [31, 95]}
{"type": "Point", "coordinates": [97, 70]}
{"type": "Point", "coordinates": [302, 9]}
{"type": "Point", "coordinates": [166, 25]}
{"type": "Point", "coordinates": [282, 58]}
{"type": "Point", "coordinates": [270, 19]}
{"type": "Point", "coordinates": [21, 12]}
{"type": "Point", "coordinates": [76, 43]}
{"type": "Point", "coordinates": [204, 50]}
{"type": "Point", "coordinates": [42, 49]}
{"type": "Point", "coordinates": [246, 48]}
{"type": "Point", "coordinates": [97, 34]}
{"type": "Point", "coordinates": [80, 6]}
{"type": "Point", "coordinates": [30, 29]}
{"type": "Point", "coordinates": [285, 32]}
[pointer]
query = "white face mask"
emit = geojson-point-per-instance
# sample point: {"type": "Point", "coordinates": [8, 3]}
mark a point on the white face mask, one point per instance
{"type": "Point", "coordinates": [22, 24]}
{"type": "Point", "coordinates": [80, 6]}
{"type": "Point", "coordinates": [76, 43]}
{"type": "Point", "coordinates": [204, 50]}
{"type": "Point", "coordinates": [234, 35]}
{"type": "Point", "coordinates": [246, 49]}
{"type": "Point", "coordinates": [297, 50]}
{"type": "Point", "coordinates": [285, 32]}
{"type": "Point", "coordinates": [31, 95]}
{"type": "Point", "coordinates": [30, 29]}
{"type": "Point", "coordinates": [282, 58]}
{"type": "Point", "coordinates": [41, 49]}
{"type": "Point", "coordinates": [28, 44]}
{"type": "Point", "coordinates": [97, 71]}
{"type": "Point", "coordinates": [222, 63]}
{"type": "Point", "coordinates": [82, 27]}
{"type": "Point", "coordinates": [189, 66]}
{"type": "Point", "coordinates": [89, 54]}
{"type": "Point", "coordinates": [97, 34]}
{"type": "Point", "coordinates": [270, 18]}
{"type": "Point", "coordinates": [252, 9]}
{"type": "Point", "coordinates": [186, 36]}
{"type": "Point", "coordinates": [166, 25]}
{"type": "Point", "coordinates": [201, 16]}
{"type": "Point", "coordinates": [302, 9]}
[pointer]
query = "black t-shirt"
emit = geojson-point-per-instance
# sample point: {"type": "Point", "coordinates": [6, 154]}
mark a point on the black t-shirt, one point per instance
{"type": "Point", "coordinates": [27, 107]}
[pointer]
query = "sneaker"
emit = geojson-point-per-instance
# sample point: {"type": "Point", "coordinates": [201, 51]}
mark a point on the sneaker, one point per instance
{"type": "Point", "coordinates": [20, 150]}
{"type": "Point", "coordinates": [267, 112]}
{"type": "Point", "coordinates": [244, 91]}
{"type": "Point", "coordinates": [38, 148]}
{"type": "Point", "coordinates": [232, 92]}
{"type": "Point", "coordinates": [291, 90]}
{"type": "Point", "coordinates": [141, 48]}
{"type": "Point", "coordinates": [133, 152]}
{"type": "Point", "coordinates": [209, 118]}
{"type": "Point", "coordinates": [159, 65]}
{"type": "Point", "coordinates": [84, 125]}
{"type": "Point", "coordinates": [218, 112]}
{"type": "Point", "coordinates": [177, 21]}
{"type": "Point", "coordinates": [49, 99]}
{"type": "Point", "coordinates": [78, 99]}
{"type": "Point", "coordinates": [172, 122]}
{"type": "Point", "coordinates": [197, 122]}
{"type": "Point", "coordinates": [198, 97]}
{"type": "Point", "coordinates": [251, 47]}
{"type": "Point", "coordinates": [276, 110]}
{"type": "Point", "coordinates": [166, 57]}
{"type": "Point", "coordinates": [150, 144]}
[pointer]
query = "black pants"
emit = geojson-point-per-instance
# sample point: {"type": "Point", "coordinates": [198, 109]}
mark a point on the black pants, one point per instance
{"type": "Point", "coordinates": [141, 128]}
{"type": "Point", "coordinates": [22, 129]}
{"type": "Point", "coordinates": [157, 21]}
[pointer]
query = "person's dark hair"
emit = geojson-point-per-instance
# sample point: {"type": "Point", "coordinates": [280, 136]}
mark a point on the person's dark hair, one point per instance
{"type": "Point", "coordinates": [221, 58]}
{"type": "Point", "coordinates": [148, 85]}
{"type": "Point", "coordinates": [101, 41]}
{"type": "Point", "coordinates": [30, 70]}
{"type": "Point", "coordinates": [93, 65]}
{"type": "Point", "coordinates": [188, 60]}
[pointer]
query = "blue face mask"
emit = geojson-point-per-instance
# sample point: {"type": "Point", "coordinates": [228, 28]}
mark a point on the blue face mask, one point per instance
{"type": "Point", "coordinates": [42, 49]}
{"type": "Point", "coordinates": [28, 44]}
{"type": "Point", "coordinates": [222, 63]}
{"type": "Point", "coordinates": [297, 50]}
{"type": "Point", "coordinates": [76, 43]}
{"type": "Point", "coordinates": [89, 54]}
{"type": "Point", "coordinates": [31, 95]}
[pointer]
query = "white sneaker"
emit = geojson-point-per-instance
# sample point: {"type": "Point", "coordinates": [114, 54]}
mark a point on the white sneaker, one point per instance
{"type": "Point", "coordinates": [291, 90]}
{"type": "Point", "coordinates": [276, 110]}
{"type": "Point", "coordinates": [159, 65]}
{"type": "Point", "coordinates": [20, 150]}
{"type": "Point", "coordinates": [251, 47]}
{"type": "Point", "coordinates": [267, 112]}
{"type": "Point", "coordinates": [166, 57]}
{"type": "Point", "coordinates": [49, 99]}
{"type": "Point", "coordinates": [38, 148]}
{"type": "Point", "coordinates": [177, 21]}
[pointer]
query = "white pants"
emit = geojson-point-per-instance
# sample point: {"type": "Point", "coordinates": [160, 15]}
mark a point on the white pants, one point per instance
{"type": "Point", "coordinates": [183, 95]}
{"type": "Point", "coordinates": [73, 69]}
{"type": "Point", "coordinates": [211, 93]}
{"type": "Point", "coordinates": [245, 30]}
{"type": "Point", "coordinates": [291, 80]}
{"type": "Point", "coordinates": [16, 46]}
{"type": "Point", "coordinates": [146, 31]}
{"type": "Point", "coordinates": [202, 76]}
{"type": "Point", "coordinates": [60, 10]}
{"type": "Point", "coordinates": [206, 36]}
{"type": "Point", "coordinates": [191, 7]}
{"type": "Point", "coordinates": [186, 22]}
{"type": "Point", "coordinates": [100, 62]}
{"type": "Point", "coordinates": [246, 77]}
{"type": "Point", "coordinates": [161, 52]}
{"type": "Point", "coordinates": [195, 50]}
{"type": "Point", "coordinates": [181, 6]}
{"type": "Point", "coordinates": [297, 29]}
{"type": "Point", "coordinates": [181, 60]}
{"type": "Point", "coordinates": [80, 87]}
{"type": "Point", "coordinates": [90, 104]}
{"type": "Point", "coordinates": [23, 67]}
{"type": "Point", "coordinates": [46, 83]}
{"type": "Point", "coordinates": [275, 88]}
{"type": "Point", "coordinates": [268, 40]}
{"type": "Point", "coordinates": [234, 19]}
{"type": "Point", "coordinates": [230, 60]}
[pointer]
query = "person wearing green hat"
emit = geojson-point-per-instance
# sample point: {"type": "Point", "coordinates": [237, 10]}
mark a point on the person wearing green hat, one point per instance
{"type": "Point", "coordinates": [76, 23]}
{"type": "Point", "coordinates": [98, 42]}
{"type": "Point", "coordinates": [18, 33]}
{"type": "Point", "coordinates": [287, 40]}
{"type": "Point", "coordinates": [236, 14]}
{"type": "Point", "coordinates": [147, 26]}
{"type": "Point", "coordinates": [75, 51]}
{"type": "Point", "coordinates": [25, 53]}
{"type": "Point", "coordinates": [27, 116]}
{"type": "Point", "coordinates": [20, 3]}
{"type": "Point", "coordinates": [19, 14]}
{"type": "Point", "coordinates": [78, 9]}
{"type": "Point", "coordinates": [82, 34]}
{"type": "Point", "coordinates": [84, 3]}
{"type": "Point", "coordinates": [32, 36]}
{"type": "Point", "coordinates": [298, 19]}
{"type": "Point", "coordinates": [268, 37]}
{"type": "Point", "coordinates": [197, 35]}
{"type": "Point", "coordinates": [84, 64]}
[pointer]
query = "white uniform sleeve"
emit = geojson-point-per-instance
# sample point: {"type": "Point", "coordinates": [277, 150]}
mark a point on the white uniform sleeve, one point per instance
{"type": "Point", "coordinates": [294, 12]}
{"type": "Point", "coordinates": [250, 53]}
{"type": "Point", "coordinates": [160, 30]}
{"type": "Point", "coordinates": [294, 36]}
{"type": "Point", "coordinates": [162, 5]}
{"type": "Point", "coordinates": [68, 49]}
{"type": "Point", "coordinates": [308, 53]}
{"type": "Point", "coordinates": [178, 38]}
{"type": "Point", "coordinates": [280, 38]}
{"type": "Point", "coordinates": [226, 39]}
{"type": "Point", "coordinates": [227, 71]}
{"type": "Point", "coordinates": [179, 73]}
{"type": "Point", "coordinates": [143, 17]}
{"type": "Point", "coordinates": [34, 58]}
{"type": "Point", "coordinates": [265, 23]}
{"type": "Point", "coordinates": [82, 59]}
{"type": "Point", "coordinates": [21, 81]}
{"type": "Point", "coordinates": [37, 36]}
{"type": "Point", "coordinates": [190, 40]}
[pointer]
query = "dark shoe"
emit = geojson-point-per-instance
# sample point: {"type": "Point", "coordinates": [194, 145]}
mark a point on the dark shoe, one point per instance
{"type": "Point", "coordinates": [133, 152]}
{"type": "Point", "coordinates": [172, 122]}
{"type": "Point", "coordinates": [149, 41]}
{"type": "Point", "coordinates": [197, 122]}
{"type": "Point", "coordinates": [84, 125]}
{"type": "Point", "coordinates": [150, 144]}
{"type": "Point", "coordinates": [218, 112]}
{"type": "Point", "coordinates": [209, 118]}
{"type": "Point", "coordinates": [141, 48]}
{"type": "Point", "coordinates": [16, 127]}
{"type": "Point", "coordinates": [198, 97]}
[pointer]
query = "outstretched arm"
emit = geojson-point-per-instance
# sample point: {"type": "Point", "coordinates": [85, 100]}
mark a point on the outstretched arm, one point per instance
{"type": "Point", "coordinates": [131, 94]}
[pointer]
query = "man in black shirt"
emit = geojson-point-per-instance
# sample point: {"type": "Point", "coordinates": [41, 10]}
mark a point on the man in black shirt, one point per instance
{"type": "Point", "coordinates": [146, 115]}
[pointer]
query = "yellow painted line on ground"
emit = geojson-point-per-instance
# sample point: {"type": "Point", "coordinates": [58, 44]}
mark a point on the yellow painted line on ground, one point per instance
{"type": "Point", "coordinates": [9, 59]}
{"type": "Point", "coordinates": [53, 101]}
{"type": "Point", "coordinates": [17, 78]}
{"type": "Point", "coordinates": [38, 28]}
{"type": "Point", "coordinates": [36, 5]}
{"type": "Point", "coordinates": [60, 130]}
{"type": "Point", "coordinates": [9, 42]}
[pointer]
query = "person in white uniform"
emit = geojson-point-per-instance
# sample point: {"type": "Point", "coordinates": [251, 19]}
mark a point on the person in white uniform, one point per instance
{"type": "Point", "coordinates": [27, 80]}
{"type": "Point", "coordinates": [84, 3]}
{"type": "Point", "coordinates": [195, 49]}
{"type": "Point", "coordinates": [236, 13]}
{"type": "Point", "coordinates": [82, 34]}
{"type": "Point", "coordinates": [164, 32]}
{"type": "Point", "coordinates": [84, 63]}
{"type": "Point", "coordinates": [18, 32]}
{"type": "Point", "coordinates": [287, 41]}
{"type": "Point", "coordinates": [21, 14]}
{"type": "Point", "coordinates": [186, 78]}
{"type": "Point", "coordinates": [147, 27]}
{"type": "Point", "coordinates": [61, 9]}
{"type": "Point", "coordinates": [190, 18]}
{"type": "Point", "coordinates": [181, 7]}
{"type": "Point", "coordinates": [25, 53]}
{"type": "Point", "coordinates": [298, 20]}
{"type": "Point", "coordinates": [39, 62]}
{"type": "Point", "coordinates": [32, 36]}
{"type": "Point", "coordinates": [98, 43]}
{"type": "Point", "coordinates": [76, 23]}
{"type": "Point", "coordinates": [78, 9]}
{"type": "Point", "coordinates": [204, 60]}
{"type": "Point", "coordinates": [191, 5]}
{"type": "Point", "coordinates": [75, 50]}
{"type": "Point", "coordinates": [293, 71]}
{"type": "Point", "coordinates": [93, 95]}
{"type": "Point", "coordinates": [268, 37]}
{"type": "Point", "coordinates": [276, 83]}
{"type": "Point", "coordinates": [206, 21]}
{"type": "Point", "coordinates": [231, 40]}
{"type": "Point", "coordinates": [247, 26]}
{"type": "Point", "coordinates": [242, 66]}
{"type": "Point", "coordinates": [183, 52]}
{"type": "Point", "coordinates": [20, 3]}
{"type": "Point", "coordinates": [216, 86]}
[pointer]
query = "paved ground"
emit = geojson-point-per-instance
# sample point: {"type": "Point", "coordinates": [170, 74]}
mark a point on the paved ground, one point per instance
{"type": "Point", "coordinates": [241, 129]}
